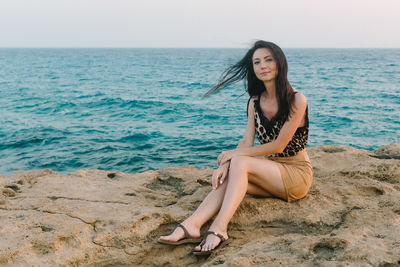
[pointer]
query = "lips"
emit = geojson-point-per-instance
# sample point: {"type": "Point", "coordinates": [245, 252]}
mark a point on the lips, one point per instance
{"type": "Point", "coordinates": [264, 73]}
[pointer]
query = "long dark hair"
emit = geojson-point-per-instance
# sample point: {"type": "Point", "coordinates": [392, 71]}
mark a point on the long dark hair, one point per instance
{"type": "Point", "coordinates": [244, 70]}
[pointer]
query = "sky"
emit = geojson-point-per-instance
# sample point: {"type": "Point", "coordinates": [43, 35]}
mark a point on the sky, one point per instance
{"type": "Point", "coordinates": [200, 23]}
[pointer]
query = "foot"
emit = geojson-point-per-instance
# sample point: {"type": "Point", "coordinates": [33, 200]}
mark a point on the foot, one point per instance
{"type": "Point", "coordinates": [178, 233]}
{"type": "Point", "coordinates": [212, 241]}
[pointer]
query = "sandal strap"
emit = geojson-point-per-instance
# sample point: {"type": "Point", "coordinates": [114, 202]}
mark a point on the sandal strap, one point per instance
{"type": "Point", "coordinates": [187, 235]}
{"type": "Point", "coordinates": [203, 241]}
{"type": "Point", "coordinates": [216, 234]}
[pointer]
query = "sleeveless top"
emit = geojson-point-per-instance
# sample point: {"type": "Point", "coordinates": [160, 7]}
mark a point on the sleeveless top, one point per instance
{"type": "Point", "coordinates": [268, 130]}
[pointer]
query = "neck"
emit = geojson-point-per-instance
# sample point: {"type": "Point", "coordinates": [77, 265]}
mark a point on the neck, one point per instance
{"type": "Point", "coordinates": [270, 88]}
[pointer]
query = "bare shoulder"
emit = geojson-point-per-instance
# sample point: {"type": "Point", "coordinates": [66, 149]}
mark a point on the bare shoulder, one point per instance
{"type": "Point", "coordinates": [300, 100]}
{"type": "Point", "coordinates": [250, 107]}
{"type": "Point", "coordinates": [251, 101]}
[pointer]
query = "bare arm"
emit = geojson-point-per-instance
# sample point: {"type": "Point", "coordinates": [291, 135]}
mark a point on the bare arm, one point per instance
{"type": "Point", "coordinates": [219, 175]}
{"type": "Point", "coordinates": [248, 137]}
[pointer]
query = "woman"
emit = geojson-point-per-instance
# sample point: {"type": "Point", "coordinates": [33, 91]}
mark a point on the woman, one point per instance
{"type": "Point", "coordinates": [277, 113]}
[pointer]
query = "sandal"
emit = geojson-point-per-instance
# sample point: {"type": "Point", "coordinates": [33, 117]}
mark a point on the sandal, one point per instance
{"type": "Point", "coordinates": [188, 239]}
{"type": "Point", "coordinates": [221, 244]}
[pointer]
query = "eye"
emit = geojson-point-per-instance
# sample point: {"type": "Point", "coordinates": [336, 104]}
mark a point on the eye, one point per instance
{"type": "Point", "coordinates": [256, 62]}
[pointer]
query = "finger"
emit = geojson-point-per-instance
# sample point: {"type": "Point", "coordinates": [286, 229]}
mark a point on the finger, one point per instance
{"type": "Point", "coordinates": [223, 161]}
{"type": "Point", "coordinates": [214, 180]}
{"type": "Point", "coordinates": [222, 179]}
{"type": "Point", "coordinates": [219, 159]}
{"type": "Point", "coordinates": [217, 182]}
{"type": "Point", "coordinates": [218, 177]}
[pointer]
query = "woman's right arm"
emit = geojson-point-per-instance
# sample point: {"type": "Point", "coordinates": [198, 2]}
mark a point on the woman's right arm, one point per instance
{"type": "Point", "coordinates": [220, 174]}
{"type": "Point", "coordinates": [249, 135]}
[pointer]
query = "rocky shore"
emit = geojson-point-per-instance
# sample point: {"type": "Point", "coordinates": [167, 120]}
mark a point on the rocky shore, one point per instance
{"type": "Point", "coordinates": [351, 217]}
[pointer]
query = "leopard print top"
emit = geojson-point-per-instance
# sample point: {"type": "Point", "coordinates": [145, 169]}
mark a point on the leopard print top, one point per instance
{"type": "Point", "coordinates": [268, 130]}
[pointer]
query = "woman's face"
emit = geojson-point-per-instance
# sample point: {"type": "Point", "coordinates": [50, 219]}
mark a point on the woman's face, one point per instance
{"type": "Point", "coordinates": [264, 65]}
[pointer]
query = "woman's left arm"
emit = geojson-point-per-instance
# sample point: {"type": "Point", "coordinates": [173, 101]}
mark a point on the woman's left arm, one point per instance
{"type": "Point", "coordinates": [279, 144]}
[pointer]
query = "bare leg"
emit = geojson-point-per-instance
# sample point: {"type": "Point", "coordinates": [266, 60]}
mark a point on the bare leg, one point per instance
{"type": "Point", "coordinates": [261, 173]}
{"type": "Point", "coordinates": [207, 209]}
{"type": "Point", "coordinates": [253, 189]}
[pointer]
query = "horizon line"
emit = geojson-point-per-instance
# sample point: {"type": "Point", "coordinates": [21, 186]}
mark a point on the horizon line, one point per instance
{"type": "Point", "coordinates": [160, 47]}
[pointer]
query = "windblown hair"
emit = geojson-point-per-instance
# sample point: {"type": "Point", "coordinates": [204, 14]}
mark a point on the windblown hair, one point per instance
{"type": "Point", "coordinates": [244, 70]}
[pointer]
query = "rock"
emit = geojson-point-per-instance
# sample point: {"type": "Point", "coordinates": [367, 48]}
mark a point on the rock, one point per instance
{"type": "Point", "coordinates": [391, 151]}
{"type": "Point", "coordinates": [351, 217]}
{"type": "Point", "coordinates": [8, 192]}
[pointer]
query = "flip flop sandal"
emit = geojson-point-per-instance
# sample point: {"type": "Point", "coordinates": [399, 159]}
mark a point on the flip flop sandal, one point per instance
{"type": "Point", "coordinates": [188, 239]}
{"type": "Point", "coordinates": [221, 244]}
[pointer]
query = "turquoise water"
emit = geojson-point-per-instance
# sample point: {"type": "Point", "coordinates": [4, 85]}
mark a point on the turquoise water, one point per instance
{"type": "Point", "coordinates": [133, 110]}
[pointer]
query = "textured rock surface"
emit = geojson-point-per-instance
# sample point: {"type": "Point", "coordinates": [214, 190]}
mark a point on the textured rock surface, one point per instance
{"type": "Point", "coordinates": [90, 218]}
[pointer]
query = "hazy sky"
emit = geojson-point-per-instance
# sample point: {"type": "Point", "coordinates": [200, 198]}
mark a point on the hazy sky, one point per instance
{"type": "Point", "coordinates": [199, 23]}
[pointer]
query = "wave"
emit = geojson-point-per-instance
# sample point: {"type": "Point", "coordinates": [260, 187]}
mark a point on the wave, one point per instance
{"type": "Point", "coordinates": [32, 137]}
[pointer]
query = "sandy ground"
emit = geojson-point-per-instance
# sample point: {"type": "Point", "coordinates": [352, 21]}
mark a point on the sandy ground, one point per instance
{"type": "Point", "coordinates": [351, 217]}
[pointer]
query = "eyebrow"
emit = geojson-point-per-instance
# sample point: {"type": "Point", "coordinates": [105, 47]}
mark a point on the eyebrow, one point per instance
{"type": "Point", "coordinates": [256, 58]}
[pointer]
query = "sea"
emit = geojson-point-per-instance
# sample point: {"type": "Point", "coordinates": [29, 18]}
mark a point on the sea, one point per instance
{"type": "Point", "coordinates": [140, 109]}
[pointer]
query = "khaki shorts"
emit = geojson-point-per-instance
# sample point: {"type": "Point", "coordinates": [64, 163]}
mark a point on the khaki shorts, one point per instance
{"type": "Point", "coordinates": [297, 174]}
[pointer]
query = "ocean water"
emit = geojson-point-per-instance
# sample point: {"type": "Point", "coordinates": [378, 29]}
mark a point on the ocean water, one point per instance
{"type": "Point", "coordinates": [134, 110]}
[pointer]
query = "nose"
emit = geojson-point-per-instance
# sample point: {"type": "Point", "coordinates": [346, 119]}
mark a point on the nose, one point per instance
{"type": "Point", "coordinates": [263, 64]}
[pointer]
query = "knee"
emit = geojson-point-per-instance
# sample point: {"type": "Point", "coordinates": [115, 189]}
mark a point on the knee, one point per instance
{"type": "Point", "coordinates": [238, 162]}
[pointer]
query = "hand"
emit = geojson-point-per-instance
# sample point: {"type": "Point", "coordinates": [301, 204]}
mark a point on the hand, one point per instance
{"type": "Point", "coordinates": [225, 156]}
{"type": "Point", "coordinates": [219, 176]}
